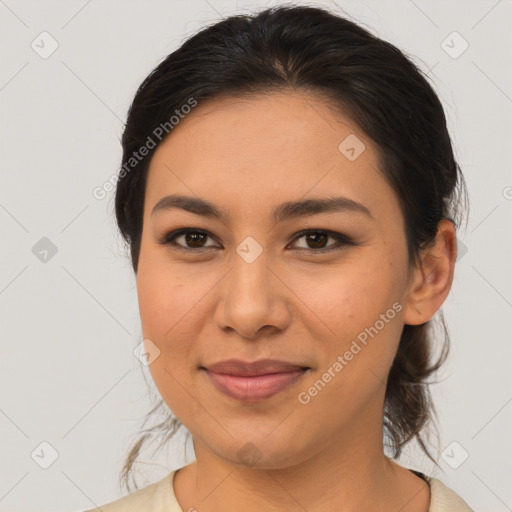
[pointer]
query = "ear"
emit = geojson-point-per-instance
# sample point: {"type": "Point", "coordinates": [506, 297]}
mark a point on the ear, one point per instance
{"type": "Point", "coordinates": [432, 280]}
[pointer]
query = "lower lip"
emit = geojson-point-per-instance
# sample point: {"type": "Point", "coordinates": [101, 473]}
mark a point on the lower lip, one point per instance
{"type": "Point", "coordinates": [251, 389]}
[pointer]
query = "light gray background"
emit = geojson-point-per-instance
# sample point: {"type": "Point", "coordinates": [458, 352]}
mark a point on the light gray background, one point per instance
{"type": "Point", "coordinates": [68, 375]}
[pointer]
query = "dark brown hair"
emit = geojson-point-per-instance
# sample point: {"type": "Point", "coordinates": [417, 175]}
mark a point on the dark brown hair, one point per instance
{"type": "Point", "coordinates": [310, 49]}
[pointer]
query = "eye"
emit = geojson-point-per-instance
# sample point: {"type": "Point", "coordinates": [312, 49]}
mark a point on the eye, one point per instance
{"type": "Point", "coordinates": [190, 239]}
{"type": "Point", "coordinates": [317, 241]}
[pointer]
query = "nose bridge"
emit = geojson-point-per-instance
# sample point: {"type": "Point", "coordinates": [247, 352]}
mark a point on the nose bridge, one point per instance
{"type": "Point", "coordinates": [249, 281]}
{"type": "Point", "coordinates": [251, 295]}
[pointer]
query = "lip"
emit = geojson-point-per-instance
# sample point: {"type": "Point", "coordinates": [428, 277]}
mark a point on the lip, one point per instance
{"type": "Point", "coordinates": [253, 381]}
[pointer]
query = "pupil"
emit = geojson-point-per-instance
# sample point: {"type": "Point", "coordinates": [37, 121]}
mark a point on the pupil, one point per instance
{"type": "Point", "coordinates": [193, 237]}
{"type": "Point", "coordinates": [313, 238]}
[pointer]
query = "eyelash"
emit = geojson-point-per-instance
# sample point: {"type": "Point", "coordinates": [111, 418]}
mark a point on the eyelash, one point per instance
{"type": "Point", "coordinates": [342, 240]}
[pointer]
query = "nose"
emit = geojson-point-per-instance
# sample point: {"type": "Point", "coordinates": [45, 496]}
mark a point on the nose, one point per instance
{"type": "Point", "coordinates": [253, 302]}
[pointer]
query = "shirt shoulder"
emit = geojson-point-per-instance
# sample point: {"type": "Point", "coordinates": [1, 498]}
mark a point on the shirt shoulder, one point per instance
{"type": "Point", "coordinates": [156, 497]}
{"type": "Point", "coordinates": [443, 499]}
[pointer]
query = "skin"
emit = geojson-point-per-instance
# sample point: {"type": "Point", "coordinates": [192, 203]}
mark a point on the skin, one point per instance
{"type": "Point", "coordinates": [247, 155]}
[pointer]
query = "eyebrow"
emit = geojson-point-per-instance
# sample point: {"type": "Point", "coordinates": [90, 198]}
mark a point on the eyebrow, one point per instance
{"type": "Point", "coordinates": [284, 211]}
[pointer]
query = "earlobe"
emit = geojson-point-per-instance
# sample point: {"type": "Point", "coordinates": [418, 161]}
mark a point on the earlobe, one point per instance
{"type": "Point", "coordinates": [432, 279]}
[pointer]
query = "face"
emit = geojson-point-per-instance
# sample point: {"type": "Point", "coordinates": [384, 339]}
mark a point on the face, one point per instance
{"type": "Point", "coordinates": [320, 286]}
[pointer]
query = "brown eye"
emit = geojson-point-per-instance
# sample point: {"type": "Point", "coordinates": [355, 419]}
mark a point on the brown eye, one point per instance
{"type": "Point", "coordinates": [195, 239]}
{"type": "Point", "coordinates": [317, 241]}
{"type": "Point", "coordinates": [187, 239]}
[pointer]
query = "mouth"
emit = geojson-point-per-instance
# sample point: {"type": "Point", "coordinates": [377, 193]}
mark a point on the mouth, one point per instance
{"type": "Point", "coordinates": [252, 382]}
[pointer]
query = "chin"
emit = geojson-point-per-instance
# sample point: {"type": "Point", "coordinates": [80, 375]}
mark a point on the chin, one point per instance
{"type": "Point", "coordinates": [260, 453]}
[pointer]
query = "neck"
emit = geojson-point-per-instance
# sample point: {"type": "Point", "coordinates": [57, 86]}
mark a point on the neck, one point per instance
{"type": "Point", "coordinates": [348, 476]}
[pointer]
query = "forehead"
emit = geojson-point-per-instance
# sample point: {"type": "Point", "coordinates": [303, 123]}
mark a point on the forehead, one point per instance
{"type": "Point", "coordinates": [267, 148]}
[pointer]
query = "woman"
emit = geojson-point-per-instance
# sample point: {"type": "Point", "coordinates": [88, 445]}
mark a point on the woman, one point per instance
{"type": "Point", "coordinates": [290, 199]}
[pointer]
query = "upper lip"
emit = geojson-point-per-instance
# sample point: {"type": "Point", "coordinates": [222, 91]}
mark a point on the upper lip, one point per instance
{"type": "Point", "coordinates": [255, 368]}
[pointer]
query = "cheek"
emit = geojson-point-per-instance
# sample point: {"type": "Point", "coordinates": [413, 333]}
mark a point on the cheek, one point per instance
{"type": "Point", "coordinates": [349, 297]}
{"type": "Point", "coordinates": [166, 307]}
{"type": "Point", "coordinates": [356, 359]}
{"type": "Point", "coordinates": [360, 305]}
{"type": "Point", "coordinates": [167, 295]}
